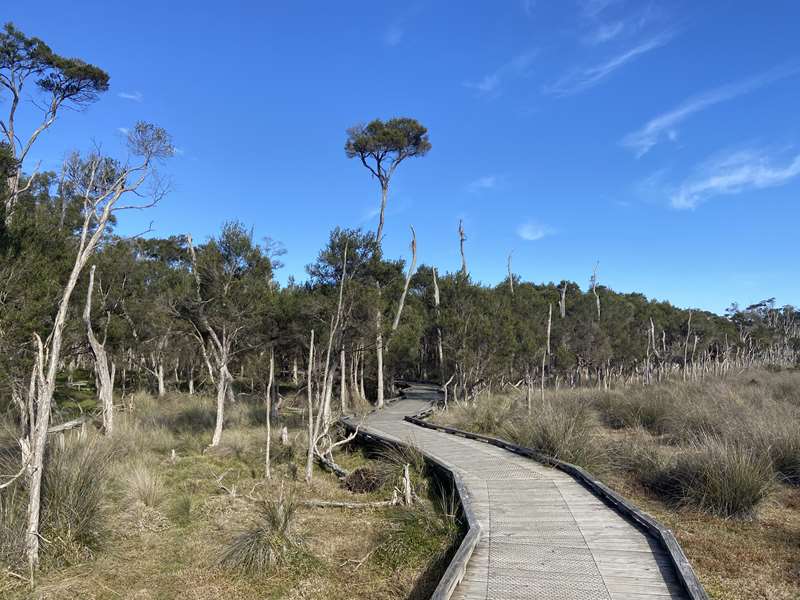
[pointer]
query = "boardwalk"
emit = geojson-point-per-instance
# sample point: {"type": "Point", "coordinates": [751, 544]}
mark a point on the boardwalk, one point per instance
{"type": "Point", "coordinates": [544, 535]}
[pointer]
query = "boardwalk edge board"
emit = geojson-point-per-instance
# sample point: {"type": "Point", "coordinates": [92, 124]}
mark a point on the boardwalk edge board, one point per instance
{"type": "Point", "coordinates": [662, 534]}
{"type": "Point", "coordinates": [458, 564]}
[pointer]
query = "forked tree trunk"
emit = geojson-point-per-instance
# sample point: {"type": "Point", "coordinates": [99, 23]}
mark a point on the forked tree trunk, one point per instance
{"type": "Point", "coordinates": [105, 378]}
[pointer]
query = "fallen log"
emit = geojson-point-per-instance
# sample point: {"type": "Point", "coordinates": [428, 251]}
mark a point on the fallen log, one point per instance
{"type": "Point", "coordinates": [69, 424]}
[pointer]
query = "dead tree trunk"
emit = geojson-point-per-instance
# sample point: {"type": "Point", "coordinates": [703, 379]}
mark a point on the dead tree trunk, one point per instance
{"type": "Point", "coordinates": [343, 380]}
{"type": "Point", "coordinates": [686, 344]}
{"type": "Point", "coordinates": [267, 471]}
{"type": "Point", "coordinates": [593, 282]}
{"type": "Point", "coordinates": [310, 410]}
{"type": "Point", "coordinates": [510, 275]}
{"type": "Point", "coordinates": [562, 303]}
{"type": "Point", "coordinates": [547, 347]}
{"type": "Point", "coordinates": [105, 389]}
{"type": "Point", "coordinates": [462, 238]}
{"type": "Point", "coordinates": [379, 350]}
{"type": "Point", "coordinates": [439, 345]}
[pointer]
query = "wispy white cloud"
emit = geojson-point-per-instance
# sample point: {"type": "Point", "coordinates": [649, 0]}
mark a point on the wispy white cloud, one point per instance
{"type": "Point", "coordinates": [663, 126]}
{"type": "Point", "coordinates": [135, 96]}
{"type": "Point", "coordinates": [592, 8]}
{"type": "Point", "coordinates": [734, 173]}
{"type": "Point", "coordinates": [579, 80]}
{"type": "Point", "coordinates": [490, 84]}
{"type": "Point", "coordinates": [487, 182]}
{"type": "Point", "coordinates": [605, 32]}
{"type": "Point", "coordinates": [394, 35]}
{"type": "Point", "coordinates": [533, 231]}
{"type": "Point", "coordinates": [123, 130]}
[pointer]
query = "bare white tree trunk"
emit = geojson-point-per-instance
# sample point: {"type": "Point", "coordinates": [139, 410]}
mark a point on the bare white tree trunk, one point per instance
{"type": "Point", "coordinates": [267, 471]}
{"type": "Point", "coordinates": [222, 385]}
{"type": "Point", "coordinates": [409, 274]}
{"type": "Point", "coordinates": [310, 378]}
{"type": "Point", "coordinates": [379, 352]}
{"type": "Point", "coordinates": [105, 380]}
{"type": "Point", "coordinates": [510, 275]}
{"type": "Point", "coordinates": [547, 347]}
{"type": "Point", "coordinates": [439, 345]}
{"type": "Point", "coordinates": [686, 344]}
{"type": "Point", "coordinates": [462, 238]}
{"type": "Point", "coordinates": [593, 282]}
{"type": "Point", "coordinates": [162, 389]}
{"type": "Point", "coordinates": [562, 304]}
{"type": "Point", "coordinates": [343, 381]}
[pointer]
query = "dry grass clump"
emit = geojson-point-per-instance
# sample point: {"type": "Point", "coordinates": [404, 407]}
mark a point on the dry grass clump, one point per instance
{"type": "Point", "coordinates": [72, 516]}
{"type": "Point", "coordinates": [564, 429]}
{"type": "Point", "coordinates": [719, 476]}
{"type": "Point", "coordinates": [144, 483]}
{"type": "Point", "coordinates": [271, 542]}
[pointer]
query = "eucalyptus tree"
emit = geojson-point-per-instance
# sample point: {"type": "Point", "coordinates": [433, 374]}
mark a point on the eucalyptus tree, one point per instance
{"type": "Point", "coordinates": [60, 82]}
{"type": "Point", "coordinates": [382, 146]}
{"type": "Point", "coordinates": [233, 276]}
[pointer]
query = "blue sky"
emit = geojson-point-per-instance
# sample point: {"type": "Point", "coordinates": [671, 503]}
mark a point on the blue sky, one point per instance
{"type": "Point", "coordinates": [661, 139]}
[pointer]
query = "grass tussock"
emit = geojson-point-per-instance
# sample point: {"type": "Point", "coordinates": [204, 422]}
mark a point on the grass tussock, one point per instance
{"type": "Point", "coordinates": [716, 475]}
{"type": "Point", "coordinates": [563, 430]}
{"type": "Point", "coordinates": [271, 542]}
{"type": "Point", "coordinates": [145, 484]}
{"type": "Point", "coordinates": [72, 518]}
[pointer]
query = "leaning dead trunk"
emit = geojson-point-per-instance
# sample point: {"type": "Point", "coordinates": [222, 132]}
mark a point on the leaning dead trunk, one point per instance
{"type": "Point", "coordinates": [105, 387]}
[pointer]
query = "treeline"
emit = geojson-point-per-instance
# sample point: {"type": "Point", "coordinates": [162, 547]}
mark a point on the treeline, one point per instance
{"type": "Point", "coordinates": [173, 314]}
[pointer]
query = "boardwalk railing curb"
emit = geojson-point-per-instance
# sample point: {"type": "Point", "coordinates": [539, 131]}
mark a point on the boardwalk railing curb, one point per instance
{"type": "Point", "coordinates": [686, 574]}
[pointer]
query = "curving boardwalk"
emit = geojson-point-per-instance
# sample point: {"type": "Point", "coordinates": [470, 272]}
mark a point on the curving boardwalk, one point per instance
{"type": "Point", "coordinates": [544, 535]}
